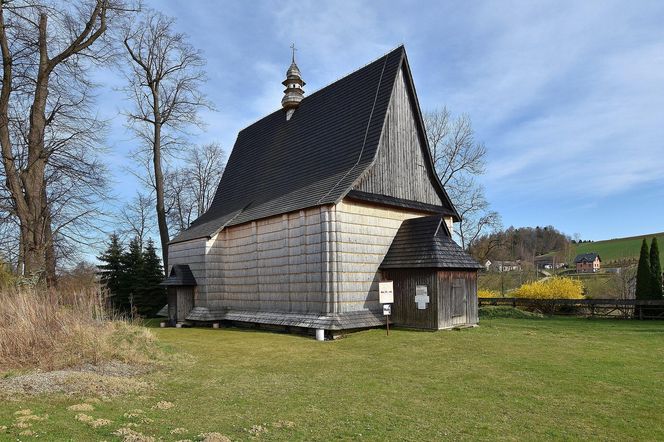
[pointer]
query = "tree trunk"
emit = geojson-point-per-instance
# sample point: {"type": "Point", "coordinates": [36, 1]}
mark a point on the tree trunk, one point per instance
{"type": "Point", "coordinates": [159, 189]}
{"type": "Point", "coordinates": [49, 244]}
{"type": "Point", "coordinates": [33, 179]}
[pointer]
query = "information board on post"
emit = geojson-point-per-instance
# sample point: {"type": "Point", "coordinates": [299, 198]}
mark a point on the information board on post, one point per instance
{"type": "Point", "coordinates": [386, 297]}
{"type": "Point", "coordinates": [386, 292]}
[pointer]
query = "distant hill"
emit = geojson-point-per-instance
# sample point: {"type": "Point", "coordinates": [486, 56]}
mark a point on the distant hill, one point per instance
{"type": "Point", "coordinates": [618, 248]}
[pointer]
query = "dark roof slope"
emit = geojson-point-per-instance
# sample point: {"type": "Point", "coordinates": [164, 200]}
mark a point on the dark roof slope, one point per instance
{"type": "Point", "coordinates": [426, 242]}
{"type": "Point", "coordinates": [279, 166]}
{"type": "Point", "coordinates": [586, 257]}
{"type": "Point", "coordinates": [180, 275]}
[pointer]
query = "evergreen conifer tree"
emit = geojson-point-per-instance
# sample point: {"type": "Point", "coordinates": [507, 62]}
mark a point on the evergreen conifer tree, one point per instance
{"type": "Point", "coordinates": [152, 297]}
{"type": "Point", "coordinates": [655, 271]}
{"type": "Point", "coordinates": [110, 271]}
{"type": "Point", "coordinates": [131, 281]}
{"type": "Point", "coordinates": [643, 273]}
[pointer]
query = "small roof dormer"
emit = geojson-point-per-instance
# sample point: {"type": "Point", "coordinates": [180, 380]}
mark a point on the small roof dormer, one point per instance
{"type": "Point", "coordinates": [293, 93]}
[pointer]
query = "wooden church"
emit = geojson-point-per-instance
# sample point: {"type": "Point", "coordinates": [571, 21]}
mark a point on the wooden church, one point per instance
{"type": "Point", "coordinates": [319, 202]}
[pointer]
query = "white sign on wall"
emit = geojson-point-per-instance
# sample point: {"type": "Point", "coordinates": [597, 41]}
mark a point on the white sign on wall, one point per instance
{"type": "Point", "coordinates": [386, 292]}
{"type": "Point", "coordinates": [421, 296]}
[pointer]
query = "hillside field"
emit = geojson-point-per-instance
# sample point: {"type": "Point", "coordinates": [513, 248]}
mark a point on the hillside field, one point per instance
{"type": "Point", "coordinates": [509, 379]}
{"type": "Point", "coordinates": [619, 248]}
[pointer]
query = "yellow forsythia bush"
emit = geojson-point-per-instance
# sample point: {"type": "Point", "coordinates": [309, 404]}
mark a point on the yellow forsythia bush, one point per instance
{"type": "Point", "coordinates": [485, 293]}
{"type": "Point", "coordinates": [566, 288]}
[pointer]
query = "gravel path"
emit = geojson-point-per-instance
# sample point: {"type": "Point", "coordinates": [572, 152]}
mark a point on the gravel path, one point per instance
{"type": "Point", "coordinates": [109, 379]}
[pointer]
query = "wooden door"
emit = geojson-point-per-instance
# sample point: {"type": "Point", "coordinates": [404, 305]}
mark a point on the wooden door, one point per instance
{"type": "Point", "coordinates": [459, 300]}
{"type": "Point", "coordinates": [185, 302]}
{"type": "Point", "coordinates": [172, 305]}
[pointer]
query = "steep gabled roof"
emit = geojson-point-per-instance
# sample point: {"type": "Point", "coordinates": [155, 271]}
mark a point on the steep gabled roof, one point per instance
{"type": "Point", "coordinates": [426, 242]}
{"type": "Point", "coordinates": [587, 257]}
{"type": "Point", "coordinates": [279, 166]}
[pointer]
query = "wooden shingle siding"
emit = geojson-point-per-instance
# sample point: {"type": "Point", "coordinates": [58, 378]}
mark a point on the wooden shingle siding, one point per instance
{"type": "Point", "coordinates": [273, 264]}
{"type": "Point", "coordinates": [364, 235]}
{"type": "Point", "coordinates": [401, 169]}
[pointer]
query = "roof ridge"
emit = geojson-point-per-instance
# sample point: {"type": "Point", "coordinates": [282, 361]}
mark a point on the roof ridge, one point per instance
{"type": "Point", "coordinates": [401, 46]}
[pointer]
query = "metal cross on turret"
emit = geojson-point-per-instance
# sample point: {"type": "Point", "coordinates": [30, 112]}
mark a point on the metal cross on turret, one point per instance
{"type": "Point", "coordinates": [293, 93]}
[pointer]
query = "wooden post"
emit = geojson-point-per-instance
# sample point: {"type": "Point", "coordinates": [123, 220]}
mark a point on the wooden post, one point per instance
{"type": "Point", "coordinates": [388, 324]}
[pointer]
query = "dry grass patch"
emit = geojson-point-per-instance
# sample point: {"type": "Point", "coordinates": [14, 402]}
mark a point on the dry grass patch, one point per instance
{"type": "Point", "coordinates": [50, 330]}
{"type": "Point", "coordinates": [81, 407]}
{"type": "Point", "coordinates": [163, 405]}
{"type": "Point", "coordinates": [82, 417]}
{"type": "Point", "coordinates": [133, 414]}
{"type": "Point", "coordinates": [129, 435]}
{"type": "Point", "coordinates": [105, 380]}
{"type": "Point", "coordinates": [213, 437]}
{"type": "Point", "coordinates": [96, 423]}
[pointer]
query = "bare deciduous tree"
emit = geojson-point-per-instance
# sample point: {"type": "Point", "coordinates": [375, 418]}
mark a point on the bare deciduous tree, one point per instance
{"type": "Point", "coordinates": [458, 159]}
{"type": "Point", "coordinates": [45, 122]}
{"type": "Point", "coordinates": [136, 218]}
{"type": "Point", "coordinates": [191, 187]}
{"type": "Point", "coordinates": [164, 84]}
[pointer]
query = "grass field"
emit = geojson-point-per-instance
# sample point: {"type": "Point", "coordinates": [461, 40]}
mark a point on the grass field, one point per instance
{"type": "Point", "coordinates": [508, 379]}
{"type": "Point", "coordinates": [619, 248]}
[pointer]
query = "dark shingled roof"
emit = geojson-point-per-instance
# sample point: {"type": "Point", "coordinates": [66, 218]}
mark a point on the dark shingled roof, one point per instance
{"type": "Point", "coordinates": [586, 257]}
{"type": "Point", "coordinates": [180, 275]}
{"type": "Point", "coordinates": [426, 242]}
{"type": "Point", "coordinates": [279, 166]}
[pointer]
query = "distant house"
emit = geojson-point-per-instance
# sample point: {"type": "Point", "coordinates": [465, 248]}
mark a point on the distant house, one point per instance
{"type": "Point", "coordinates": [502, 266]}
{"type": "Point", "coordinates": [587, 262]}
{"type": "Point", "coordinates": [550, 261]}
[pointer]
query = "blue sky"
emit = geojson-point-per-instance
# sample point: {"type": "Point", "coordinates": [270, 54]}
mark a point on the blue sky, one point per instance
{"type": "Point", "coordinates": [567, 96]}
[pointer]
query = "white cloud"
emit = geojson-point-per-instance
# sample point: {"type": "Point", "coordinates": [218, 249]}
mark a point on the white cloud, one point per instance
{"type": "Point", "coordinates": [567, 94]}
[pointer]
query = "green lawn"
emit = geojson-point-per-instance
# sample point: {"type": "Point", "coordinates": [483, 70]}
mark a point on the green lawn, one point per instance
{"type": "Point", "coordinates": [508, 379]}
{"type": "Point", "coordinates": [619, 248]}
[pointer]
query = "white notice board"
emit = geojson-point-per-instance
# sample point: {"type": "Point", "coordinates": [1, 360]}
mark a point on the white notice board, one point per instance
{"type": "Point", "coordinates": [386, 292]}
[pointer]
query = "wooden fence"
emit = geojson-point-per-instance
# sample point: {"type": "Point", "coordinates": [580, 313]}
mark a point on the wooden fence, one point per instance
{"type": "Point", "coordinates": [608, 308]}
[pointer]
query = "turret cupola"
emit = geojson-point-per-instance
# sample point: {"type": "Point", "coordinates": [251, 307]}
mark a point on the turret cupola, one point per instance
{"type": "Point", "coordinates": [293, 93]}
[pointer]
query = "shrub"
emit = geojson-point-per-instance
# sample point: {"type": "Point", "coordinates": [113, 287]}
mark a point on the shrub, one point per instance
{"type": "Point", "coordinates": [51, 330]}
{"type": "Point", "coordinates": [551, 288]}
{"type": "Point", "coordinates": [485, 293]}
{"type": "Point", "coordinates": [491, 312]}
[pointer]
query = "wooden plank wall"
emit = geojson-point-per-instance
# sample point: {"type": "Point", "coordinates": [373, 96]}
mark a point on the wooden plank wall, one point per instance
{"type": "Point", "coordinates": [438, 314]}
{"type": "Point", "coordinates": [404, 311]}
{"type": "Point", "coordinates": [400, 169]}
{"type": "Point", "coordinates": [364, 233]}
{"type": "Point", "coordinates": [446, 280]}
{"type": "Point", "coordinates": [275, 264]}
